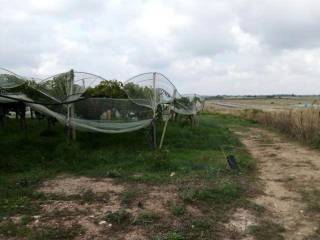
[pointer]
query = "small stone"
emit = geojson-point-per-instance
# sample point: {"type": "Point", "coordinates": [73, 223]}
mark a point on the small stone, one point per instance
{"type": "Point", "coordinates": [91, 216]}
{"type": "Point", "coordinates": [36, 217]}
{"type": "Point", "coordinates": [36, 221]}
{"type": "Point", "coordinates": [110, 225]}
{"type": "Point", "coordinates": [102, 222]}
{"type": "Point", "coordinates": [172, 174]}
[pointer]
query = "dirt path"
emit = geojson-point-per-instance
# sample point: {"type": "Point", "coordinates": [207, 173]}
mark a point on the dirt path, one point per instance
{"type": "Point", "coordinates": [289, 174]}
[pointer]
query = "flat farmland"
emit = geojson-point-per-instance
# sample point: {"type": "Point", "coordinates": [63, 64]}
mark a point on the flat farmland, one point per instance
{"type": "Point", "coordinates": [266, 104]}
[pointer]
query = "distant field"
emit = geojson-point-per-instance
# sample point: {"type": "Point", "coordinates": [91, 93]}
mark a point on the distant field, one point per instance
{"type": "Point", "coordinates": [266, 104]}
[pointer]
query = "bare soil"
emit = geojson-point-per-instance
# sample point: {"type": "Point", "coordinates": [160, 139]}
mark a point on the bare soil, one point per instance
{"type": "Point", "coordinates": [70, 185]}
{"type": "Point", "coordinates": [286, 171]}
{"type": "Point", "coordinates": [73, 208]}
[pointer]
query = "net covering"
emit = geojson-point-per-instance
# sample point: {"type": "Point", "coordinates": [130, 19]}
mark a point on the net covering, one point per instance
{"type": "Point", "coordinates": [9, 79]}
{"type": "Point", "coordinates": [188, 104]}
{"type": "Point", "coordinates": [62, 96]}
{"type": "Point", "coordinates": [150, 90]}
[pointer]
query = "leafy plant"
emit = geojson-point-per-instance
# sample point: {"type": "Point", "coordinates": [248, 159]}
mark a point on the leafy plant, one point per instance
{"type": "Point", "coordinates": [108, 89]}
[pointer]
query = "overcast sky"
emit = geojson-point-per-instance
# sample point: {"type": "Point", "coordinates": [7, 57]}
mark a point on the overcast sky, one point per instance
{"type": "Point", "coordinates": [203, 46]}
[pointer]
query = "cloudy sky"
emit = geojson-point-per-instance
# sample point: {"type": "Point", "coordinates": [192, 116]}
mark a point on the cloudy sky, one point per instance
{"type": "Point", "coordinates": [203, 46]}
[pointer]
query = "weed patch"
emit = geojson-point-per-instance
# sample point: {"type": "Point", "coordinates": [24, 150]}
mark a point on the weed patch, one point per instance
{"type": "Point", "coordinates": [118, 217]}
{"type": "Point", "coordinates": [170, 236]}
{"type": "Point", "coordinates": [146, 217]}
{"type": "Point", "coordinates": [177, 209]}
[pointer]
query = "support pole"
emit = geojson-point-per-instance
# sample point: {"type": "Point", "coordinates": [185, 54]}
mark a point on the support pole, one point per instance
{"type": "Point", "coordinates": [154, 134]}
{"type": "Point", "coordinates": [163, 132]}
{"type": "Point", "coordinates": [155, 111]}
{"type": "Point", "coordinates": [68, 123]}
{"type": "Point", "coordinates": [154, 93]}
{"type": "Point", "coordinates": [70, 107]}
{"type": "Point", "coordinates": [73, 129]}
{"type": "Point", "coordinates": [2, 115]}
{"type": "Point", "coordinates": [167, 120]}
{"type": "Point", "coordinates": [21, 111]}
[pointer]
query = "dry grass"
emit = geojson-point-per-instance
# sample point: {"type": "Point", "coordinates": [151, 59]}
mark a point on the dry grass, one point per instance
{"type": "Point", "coordinates": [302, 125]}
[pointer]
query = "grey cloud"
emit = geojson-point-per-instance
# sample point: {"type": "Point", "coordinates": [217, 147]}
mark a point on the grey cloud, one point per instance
{"type": "Point", "coordinates": [208, 46]}
{"type": "Point", "coordinates": [283, 24]}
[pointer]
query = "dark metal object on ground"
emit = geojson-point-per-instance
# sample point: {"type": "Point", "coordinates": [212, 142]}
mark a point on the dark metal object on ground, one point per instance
{"type": "Point", "coordinates": [232, 161]}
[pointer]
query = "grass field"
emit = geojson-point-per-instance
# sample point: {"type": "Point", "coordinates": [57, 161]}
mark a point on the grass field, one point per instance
{"type": "Point", "coordinates": [185, 191]}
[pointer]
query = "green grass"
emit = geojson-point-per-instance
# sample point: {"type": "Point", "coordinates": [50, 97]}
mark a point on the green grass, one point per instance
{"type": "Point", "coordinates": [146, 217]}
{"type": "Point", "coordinates": [170, 236]}
{"type": "Point", "coordinates": [193, 154]}
{"type": "Point", "coordinates": [223, 193]}
{"type": "Point", "coordinates": [11, 229]}
{"type": "Point", "coordinates": [118, 217]}
{"type": "Point", "coordinates": [128, 196]}
{"type": "Point", "coordinates": [56, 233]}
{"type": "Point", "coordinates": [177, 209]}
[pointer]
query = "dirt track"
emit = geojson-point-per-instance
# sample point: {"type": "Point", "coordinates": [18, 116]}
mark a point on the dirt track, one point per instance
{"type": "Point", "coordinates": [287, 171]}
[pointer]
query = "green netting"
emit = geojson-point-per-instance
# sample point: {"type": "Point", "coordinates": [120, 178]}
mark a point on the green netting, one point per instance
{"type": "Point", "coordinates": [150, 90]}
{"type": "Point", "coordinates": [188, 104]}
{"type": "Point", "coordinates": [62, 96]}
{"type": "Point", "coordinates": [9, 79]}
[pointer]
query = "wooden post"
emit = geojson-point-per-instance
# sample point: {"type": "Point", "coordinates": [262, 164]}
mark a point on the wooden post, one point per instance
{"type": "Point", "coordinates": [70, 108]}
{"type": "Point", "coordinates": [74, 136]}
{"type": "Point", "coordinates": [155, 111]}
{"type": "Point", "coordinates": [163, 132]}
{"type": "Point", "coordinates": [154, 93]}
{"type": "Point", "coordinates": [21, 111]}
{"type": "Point", "coordinates": [73, 129]}
{"type": "Point", "coordinates": [167, 120]}
{"type": "Point", "coordinates": [68, 123]}
{"type": "Point", "coordinates": [2, 114]}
